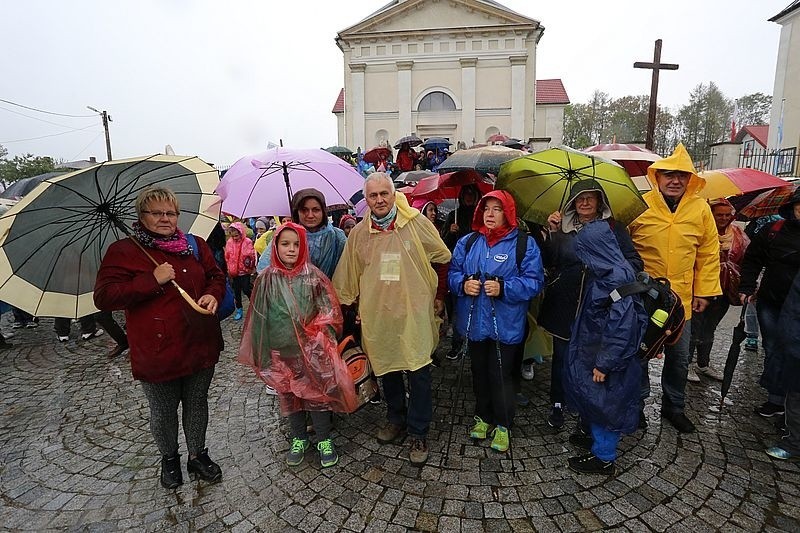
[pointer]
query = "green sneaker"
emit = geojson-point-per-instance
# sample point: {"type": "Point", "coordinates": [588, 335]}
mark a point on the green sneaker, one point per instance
{"type": "Point", "coordinates": [479, 430]}
{"type": "Point", "coordinates": [297, 452]}
{"type": "Point", "coordinates": [327, 453]}
{"type": "Point", "coordinates": [500, 440]}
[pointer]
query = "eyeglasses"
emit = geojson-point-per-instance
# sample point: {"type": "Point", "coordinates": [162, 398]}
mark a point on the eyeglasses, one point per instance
{"type": "Point", "coordinates": [159, 214]}
{"type": "Point", "coordinates": [675, 176]}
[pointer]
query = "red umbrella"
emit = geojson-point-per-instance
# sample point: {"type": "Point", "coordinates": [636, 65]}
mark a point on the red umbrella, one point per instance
{"type": "Point", "coordinates": [724, 182]}
{"type": "Point", "coordinates": [764, 203]}
{"type": "Point", "coordinates": [634, 159]}
{"type": "Point", "coordinates": [373, 155]}
{"type": "Point", "coordinates": [441, 187]}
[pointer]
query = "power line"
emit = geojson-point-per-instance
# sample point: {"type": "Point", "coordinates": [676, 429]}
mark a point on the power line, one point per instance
{"type": "Point", "coordinates": [45, 136]}
{"type": "Point", "coordinates": [36, 118]}
{"type": "Point", "coordinates": [46, 112]}
{"type": "Point", "coordinates": [74, 157]}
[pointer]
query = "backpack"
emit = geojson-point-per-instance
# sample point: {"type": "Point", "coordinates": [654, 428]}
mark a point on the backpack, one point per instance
{"type": "Point", "coordinates": [665, 314]}
{"type": "Point", "coordinates": [227, 305]}
{"type": "Point", "coordinates": [522, 245]}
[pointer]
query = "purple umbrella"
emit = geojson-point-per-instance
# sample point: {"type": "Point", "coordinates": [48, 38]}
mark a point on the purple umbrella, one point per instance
{"type": "Point", "coordinates": [263, 184]}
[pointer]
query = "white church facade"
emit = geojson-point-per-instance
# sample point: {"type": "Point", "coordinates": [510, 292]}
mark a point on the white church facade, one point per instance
{"type": "Point", "coordinates": [459, 69]}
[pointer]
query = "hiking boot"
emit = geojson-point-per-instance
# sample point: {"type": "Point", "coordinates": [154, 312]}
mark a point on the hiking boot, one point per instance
{"type": "Point", "coordinates": [500, 439]}
{"type": "Point", "coordinates": [679, 421]}
{"type": "Point", "coordinates": [390, 433]}
{"type": "Point", "coordinates": [118, 350]}
{"type": "Point", "coordinates": [692, 376]}
{"type": "Point", "coordinates": [769, 409]}
{"type": "Point", "coordinates": [419, 451]}
{"type": "Point", "coordinates": [479, 430]}
{"type": "Point", "coordinates": [710, 372]}
{"type": "Point", "coordinates": [204, 468]}
{"type": "Point", "coordinates": [297, 452]}
{"type": "Point", "coordinates": [527, 371]}
{"type": "Point", "coordinates": [751, 344]}
{"type": "Point", "coordinates": [591, 464]}
{"type": "Point", "coordinates": [327, 453]}
{"type": "Point", "coordinates": [556, 417]}
{"type": "Point", "coordinates": [581, 439]}
{"type": "Point", "coordinates": [171, 475]}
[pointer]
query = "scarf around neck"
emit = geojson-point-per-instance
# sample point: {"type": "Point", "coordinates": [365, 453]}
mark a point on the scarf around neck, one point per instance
{"type": "Point", "coordinates": [174, 244]}
{"type": "Point", "coordinates": [384, 222]}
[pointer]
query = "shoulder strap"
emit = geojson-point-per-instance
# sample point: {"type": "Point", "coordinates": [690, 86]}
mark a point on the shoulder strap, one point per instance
{"type": "Point", "coordinates": [522, 247]}
{"type": "Point", "coordinates": [470, 242]}
{"type": "Point", "coordinates": [193, 243]}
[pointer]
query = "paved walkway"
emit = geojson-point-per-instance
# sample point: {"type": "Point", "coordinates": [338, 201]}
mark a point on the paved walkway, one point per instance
{"type": "Point", "coordinates": [76, 454]}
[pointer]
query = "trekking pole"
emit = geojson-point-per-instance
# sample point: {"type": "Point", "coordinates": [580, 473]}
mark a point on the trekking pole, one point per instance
{"type": "Point", "coordinates": [460, 380]}
{"type": "Point", "coordinates": [502, 384]}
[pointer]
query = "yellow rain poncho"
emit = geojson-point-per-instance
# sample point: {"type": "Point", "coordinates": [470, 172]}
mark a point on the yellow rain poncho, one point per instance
{"type": "Point", "coordinates": [389, 272]}
{"type": "Point", "coordinates": [682, 246]}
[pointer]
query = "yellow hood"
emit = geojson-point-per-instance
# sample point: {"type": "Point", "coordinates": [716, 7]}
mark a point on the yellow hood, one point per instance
{"type": "Point", "coordinates": [679, 160]}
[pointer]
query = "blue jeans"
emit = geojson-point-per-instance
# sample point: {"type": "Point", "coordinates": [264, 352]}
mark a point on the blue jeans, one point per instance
{"type": "Point", "coordinates": [673, 376]}
{"type": "Point", "coordinates": [605, 443]}
{"type": "Point", "coordinates": [768, 315]}
{"type": "Point", "coordinates": [419, 412]}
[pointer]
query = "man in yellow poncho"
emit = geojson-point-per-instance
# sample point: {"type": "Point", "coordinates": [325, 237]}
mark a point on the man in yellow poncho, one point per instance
{"type": "Point", "coordinates": [677, 239]}
{"type": "Point", "coordinates": [386, 266]}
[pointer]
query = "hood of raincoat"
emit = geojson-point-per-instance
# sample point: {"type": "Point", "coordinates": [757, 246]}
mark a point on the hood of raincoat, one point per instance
{"type": "Point", "coordinates": [509, 209]}
{"type": "Point", "coordinates": [239, 227]}
{"type": "Point", "coordinates": [345, 218]}
{"type": "Point", "coordinates": [302, 256]}
{"type": "Point", "coordinates": [596, 246]}
{"type": "Point", "coordinates": [570, 218]}
{"type": "Point", "coordinates": [787, 208]}
{"type": "Point", "coordinates": [679, 160]}
{"type": "Point", "coordinates": [300, 196]}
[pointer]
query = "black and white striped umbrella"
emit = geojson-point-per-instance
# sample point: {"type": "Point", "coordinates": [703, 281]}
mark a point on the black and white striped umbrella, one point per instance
{"type": "Point", "coordinates": [53, 240]}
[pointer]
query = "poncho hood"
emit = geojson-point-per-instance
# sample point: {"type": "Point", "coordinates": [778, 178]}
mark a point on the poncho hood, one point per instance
{"type": "Point", "coordinates": [303, 194]}
{"type": "Point", "coordinates": [302, 256]}
{"type": "Point", "coordinates": [679, 160]}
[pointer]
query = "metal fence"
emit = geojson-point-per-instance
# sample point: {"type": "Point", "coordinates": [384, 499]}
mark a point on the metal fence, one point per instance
{"type": "Point", "coordinates": [778, 162]}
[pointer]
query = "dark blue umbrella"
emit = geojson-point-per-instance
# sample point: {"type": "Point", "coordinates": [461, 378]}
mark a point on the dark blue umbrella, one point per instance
{"type": "Point", "coordinates": [436, 142]}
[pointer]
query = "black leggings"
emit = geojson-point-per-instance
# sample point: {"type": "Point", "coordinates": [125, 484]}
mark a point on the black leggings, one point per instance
{"type": "Point", "coordinates": [241, 284]}
{"type": "Point", "coordinates": [494, 391]}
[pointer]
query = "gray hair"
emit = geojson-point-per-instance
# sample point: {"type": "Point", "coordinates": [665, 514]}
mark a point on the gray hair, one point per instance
{"type": "Point", "coordinates": [377, 176]}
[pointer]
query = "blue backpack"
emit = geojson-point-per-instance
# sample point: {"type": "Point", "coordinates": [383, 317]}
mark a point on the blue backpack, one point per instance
{"type": "Point", "coordinates": [227, 305]}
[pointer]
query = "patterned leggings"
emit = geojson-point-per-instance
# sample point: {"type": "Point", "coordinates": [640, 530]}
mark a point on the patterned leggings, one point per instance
{"type": "Point", "coordinates": [192, 392]}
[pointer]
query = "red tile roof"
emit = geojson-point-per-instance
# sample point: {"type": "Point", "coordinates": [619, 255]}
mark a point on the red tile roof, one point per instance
{"type": "Point", "coordinates": [338, 107]}
{"type": "Point", "coordinates": [547, 92]}
{"type": "Point", "coordinates": [759, 133]}
{"type": "Point", "coordinates": [551, 92]}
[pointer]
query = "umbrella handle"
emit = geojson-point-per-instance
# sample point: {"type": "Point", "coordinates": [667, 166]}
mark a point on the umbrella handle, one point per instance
{"type": "Point", "coordinates": [182, 292]}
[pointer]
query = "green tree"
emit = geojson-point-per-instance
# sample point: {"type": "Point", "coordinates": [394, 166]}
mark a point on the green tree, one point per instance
{"type": "Point", "coordinates": [24, 166]}
{"type": "Point", "coordinates": [3, 151]}
{"type": "Point", "coordinates": [754, 109]}
{"type": "Point", "coordinates": [577, 125]}
{"type": "Point", "coordinates": [628, 119]}
{"type": "Point", "coordinates": [704, 120]}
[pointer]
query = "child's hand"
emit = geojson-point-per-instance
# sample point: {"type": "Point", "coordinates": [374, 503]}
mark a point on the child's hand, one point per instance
{"type": "Point", "coordinates": [597, 376]}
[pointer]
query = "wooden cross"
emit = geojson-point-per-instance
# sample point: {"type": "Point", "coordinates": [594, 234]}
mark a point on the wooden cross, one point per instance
{"type": "Point", "coordinates": [655, 66]}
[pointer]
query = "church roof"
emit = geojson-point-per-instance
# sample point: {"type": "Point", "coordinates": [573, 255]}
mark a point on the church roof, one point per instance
{"type": "Point", "coordinates": [393, 3]}
{"type": "Point", "coordinates": [551, 92]}
{"type": "Point", "coordinates": [759, 133]}
{"type": "Point", "coordinates": [788, 9]}
{"type": "Point", "coordinates": [547, 92]}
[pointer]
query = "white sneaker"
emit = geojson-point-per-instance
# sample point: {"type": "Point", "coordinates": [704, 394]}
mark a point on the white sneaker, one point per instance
{"type": "Point", "coordinates": [87, 336]}
{"type": "Point", "coordinates": [710, 372]}
{"type": "Point", "coordinates": [63, 338]}
{"type": "Point", "coordinates": [270, 390]}
{"type": "Point", "coordinates": [692, 375]}
{"type": "Point", "coordinates": [527, 372]}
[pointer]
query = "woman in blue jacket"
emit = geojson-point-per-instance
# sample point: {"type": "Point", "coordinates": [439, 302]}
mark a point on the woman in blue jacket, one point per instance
{"type": "Point", "coordinates": [492, 295]}
{"type": "Point", "coordinates": [601, 370]}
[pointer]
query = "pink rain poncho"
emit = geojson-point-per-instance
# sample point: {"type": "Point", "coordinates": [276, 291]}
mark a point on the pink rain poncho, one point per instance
{"type": "Point", "coordinates": [289, 335]}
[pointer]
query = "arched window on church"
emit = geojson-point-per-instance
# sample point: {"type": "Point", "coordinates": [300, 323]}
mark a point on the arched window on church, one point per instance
{"type": "Point", "coordinates": [437, 101]}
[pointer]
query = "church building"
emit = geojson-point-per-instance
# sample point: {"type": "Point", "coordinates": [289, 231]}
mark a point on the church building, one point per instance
{"type": "Point", "coordinates": [459, 69]}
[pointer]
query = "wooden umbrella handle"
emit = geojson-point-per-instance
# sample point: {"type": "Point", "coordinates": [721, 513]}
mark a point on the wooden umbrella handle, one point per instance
{"type": "Point", "coordinates": [183, 293]}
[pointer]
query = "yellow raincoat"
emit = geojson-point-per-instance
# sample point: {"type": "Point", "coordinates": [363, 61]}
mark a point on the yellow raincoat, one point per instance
{"type": "Point", "coordinates": [389, 272]}
{"type": "Point", "coordinates": [682, 246]}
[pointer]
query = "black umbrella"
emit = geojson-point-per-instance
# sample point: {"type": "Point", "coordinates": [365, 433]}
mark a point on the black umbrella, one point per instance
{"type": "Point", "coordinates": [733, 355]}
{"type": "Point", "coordinates": [436, 142]}
{"type": "Point", "coordinates": [339, 150]}
{"type": "Point", "coordinates": [53, 240]}
{"type": "Point", "coordinates": [20, 188]}
{"type": "Point", "coordinates": [412, 140]}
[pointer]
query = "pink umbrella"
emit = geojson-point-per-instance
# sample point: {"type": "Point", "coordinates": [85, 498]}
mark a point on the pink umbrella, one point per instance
{"type": "Point", "coordinates": [263, 184]}
{"type": "Point", "coordinates": [634, 159]}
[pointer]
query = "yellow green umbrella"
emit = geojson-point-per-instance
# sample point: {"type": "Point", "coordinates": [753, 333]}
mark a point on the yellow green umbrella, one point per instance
{"type": "Point", "coordinates": [540, 183]}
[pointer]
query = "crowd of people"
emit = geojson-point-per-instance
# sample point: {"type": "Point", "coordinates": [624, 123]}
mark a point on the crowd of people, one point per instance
{"type": "Point", "coordinates": [395, 276]}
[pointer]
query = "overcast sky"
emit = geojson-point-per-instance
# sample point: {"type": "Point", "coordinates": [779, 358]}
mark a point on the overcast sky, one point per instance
{"type": "Point", "coordinates": [220, 79]}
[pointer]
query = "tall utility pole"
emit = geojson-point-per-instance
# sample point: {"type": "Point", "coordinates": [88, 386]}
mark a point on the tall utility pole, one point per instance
{"type": "Point", "coordinates": [655, 66]}
{"type": "Point", "coordinates": [106, 119]}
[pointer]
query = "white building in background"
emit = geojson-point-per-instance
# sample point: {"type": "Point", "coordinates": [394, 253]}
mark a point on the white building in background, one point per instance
{"type": "Point", "coordinates": [460, 69]}
{"type": "Point", "coordinates": [784, 130]}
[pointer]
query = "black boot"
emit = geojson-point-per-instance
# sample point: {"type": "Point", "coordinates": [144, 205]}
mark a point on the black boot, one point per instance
{"type": "Point", "coordinates": [204, 468]}
{"type": "Point", "coordinates": [171, 475]}
{"type": "Point", "coordinates": [591, 464]}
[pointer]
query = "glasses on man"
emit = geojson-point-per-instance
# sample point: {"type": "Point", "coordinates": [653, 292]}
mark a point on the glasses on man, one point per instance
{"type": "Point", "coordinates": [676, 175]}
{"type": "Point", "coordinates": [161, 214]}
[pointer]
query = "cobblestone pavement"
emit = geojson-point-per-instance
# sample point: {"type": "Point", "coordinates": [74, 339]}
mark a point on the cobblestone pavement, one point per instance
{"type": "Point", "coordinates": [76, 454]}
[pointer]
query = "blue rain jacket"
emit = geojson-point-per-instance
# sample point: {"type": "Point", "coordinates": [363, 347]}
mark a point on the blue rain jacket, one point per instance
{"type": "Point", "coordinates": [605, 336]}
{"type": "Point", "coordinates": [519, 287]}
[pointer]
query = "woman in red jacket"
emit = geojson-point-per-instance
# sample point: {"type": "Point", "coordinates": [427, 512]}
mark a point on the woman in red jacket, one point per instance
{"type": "Point", "coordinates": [173, 348]}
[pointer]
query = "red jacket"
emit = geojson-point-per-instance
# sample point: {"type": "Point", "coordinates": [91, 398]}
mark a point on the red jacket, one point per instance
{"type": "Point", "coordinates": [168, 339]}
